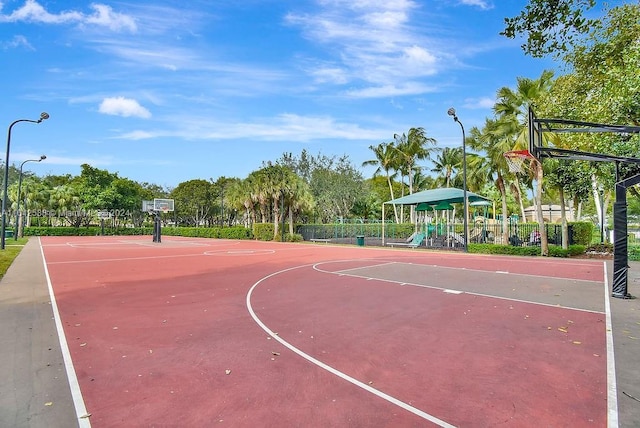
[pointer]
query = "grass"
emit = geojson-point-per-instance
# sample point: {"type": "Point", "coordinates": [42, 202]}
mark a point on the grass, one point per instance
{"type": "Point", "coordinates": [10, 252]}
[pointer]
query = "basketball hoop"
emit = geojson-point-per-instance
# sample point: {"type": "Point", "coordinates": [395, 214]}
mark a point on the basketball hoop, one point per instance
{"type": "Point", "coordinates": [517, 160]}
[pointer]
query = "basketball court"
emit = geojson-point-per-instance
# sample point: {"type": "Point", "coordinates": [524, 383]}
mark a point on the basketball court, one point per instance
{"type": "Point", "coordinates": [203, 332]}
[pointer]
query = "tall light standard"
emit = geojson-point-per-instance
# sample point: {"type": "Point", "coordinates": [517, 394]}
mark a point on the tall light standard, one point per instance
{"type": "Point", "coordinates": [452, 112]}
{"type": "Point", "coordinates": [18, 216]}
{"type": "Point", "coordinates": [3, 225]}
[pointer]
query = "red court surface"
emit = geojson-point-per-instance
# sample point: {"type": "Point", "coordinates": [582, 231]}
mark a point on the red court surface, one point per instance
{"type": "Point", "coordinates": [201, 332]}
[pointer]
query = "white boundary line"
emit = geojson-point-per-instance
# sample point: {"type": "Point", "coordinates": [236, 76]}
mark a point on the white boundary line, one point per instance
{"type": "Point", "coordinates": [612, 387]}
{"type": "Point", "coordinates": [330, 369]}
{"type": "Point", "coordinates": [449, 290]}
{"type": "Point", "coordinates": [76, 394]}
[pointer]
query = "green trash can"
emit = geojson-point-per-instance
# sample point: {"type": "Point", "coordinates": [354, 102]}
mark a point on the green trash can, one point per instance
{"type": "Point", "coordinates": [360, 240]}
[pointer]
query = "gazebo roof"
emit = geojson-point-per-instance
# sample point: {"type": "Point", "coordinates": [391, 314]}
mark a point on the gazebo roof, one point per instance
{"type": "Point", "coordinates": [448, 195]}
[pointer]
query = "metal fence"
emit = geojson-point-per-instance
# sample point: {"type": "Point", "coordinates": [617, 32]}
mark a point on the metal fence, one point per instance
{"type": "Point", "coordinates": [438, 235]}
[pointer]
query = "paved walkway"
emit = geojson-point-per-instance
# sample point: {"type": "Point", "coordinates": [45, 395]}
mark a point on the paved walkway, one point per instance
{"type": "Point", "coordinates": [35, 391]}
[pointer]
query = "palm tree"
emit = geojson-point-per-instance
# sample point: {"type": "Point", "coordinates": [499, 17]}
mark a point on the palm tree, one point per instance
{"type": "Point", "coordinates": [299, 200]}
{"type": "Point", "coordinates": [63, 199]}
{"type": "Point", "coordinates": [512, 110]}
{"type": "Point", "coordinates": [238, 195]}
{"type": "Point", "coordinates": [411, 148]}
{"type": "Point", "coordinates": [386, 160]}
{"type": "Point", "coordinates": [446, 163]}
{"type": "Point", "coordinates": [491, 141]}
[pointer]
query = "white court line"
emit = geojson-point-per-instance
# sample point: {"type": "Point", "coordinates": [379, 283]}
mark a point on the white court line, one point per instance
{"type": "Point", "coordinates": [332, 370]}
{"type": "Point", "coordinates": [477, 270]}
{"type": "Point", "coordinates": [124, 259]}
{"type": "Point", "coordinates": [346, 271]}
{"type": "Point", "coordinates": [612, 388]}
{"type": "Point", "coordinates": [76, 394]}
{"type": "Point", "coordinates": [450, 291]}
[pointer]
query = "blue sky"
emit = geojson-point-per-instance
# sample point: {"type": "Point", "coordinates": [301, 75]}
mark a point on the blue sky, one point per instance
{"type": "Point", "coordinates": [164, 91]}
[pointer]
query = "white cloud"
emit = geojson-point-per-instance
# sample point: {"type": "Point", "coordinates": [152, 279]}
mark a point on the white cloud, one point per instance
{"type": "Point", "coordinates": [16, 42]}
{"type": "Point", "coordinates": [479, 3]}
{"type": "Point", "coordinates": [284, 127]}
{"type": "Point", "coordinates": [479, 103]}
{"type": "Point", "coordinates": [103, 16]}
{"type": "Point", "coordinates": [329, 75]}
{"type": "Point", "coordinates": [371, 41]}
{"type": "Point", "coordinates": [409, 88]}
{"type": "Point", "coordinates": [120, 106]}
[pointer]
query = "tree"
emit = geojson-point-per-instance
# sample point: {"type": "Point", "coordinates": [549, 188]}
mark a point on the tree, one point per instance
{"type": "Point", "coordinates": [336, 188]}
{"type": "Point", "coordinates": [299, 201]}
{"type": "Point", "coordinates": [512, 109]}
{"type": "Point", "coordinates": [602, 87]}
{"type": "Point", "coordinates": [411, 148]}
{"type": "Point", "coordinates": [66, 202]}
{"type": "Point", "coordinates": [446, 163]}
{"type": "Point", "coordinates": [278, 184]}
{"type": "Point", "coordinates": [494, 143]}
{"type": "Point", "coordinates": [239, 196]}
{"type": "Point", "coordinates": [385, 161]}
{"type": "Point", "coordinates": [194, 201]}
{"type": "Point", "coordinates": [550, 26]}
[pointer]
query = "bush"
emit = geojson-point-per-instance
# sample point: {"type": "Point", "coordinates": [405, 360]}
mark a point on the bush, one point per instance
{"type": "Point", "coordinates": [601, 248]}
{"type": "Point", "coordinates": [554, 250]}
{"type": "Point", "coordinates": [85, 231]}
{"type": "Point", "coordinates": [263, 231]}
{"type": "Point", "coordinates": [503, 249]}
{"type": "Point", "coordinates": [296, 237]}
{"type": "Point", "coordinates": [582, 232]}
{"type": "Point", "coordinates": [573, 250]}
{"type": "Point", "coordinates": [235, 232]}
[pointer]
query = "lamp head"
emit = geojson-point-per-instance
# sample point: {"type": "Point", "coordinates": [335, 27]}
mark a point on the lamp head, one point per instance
{"type": "Point", "coordinates": [43, 116]}
{"type": "Point", "coordinates": [43, 157]}
{"type": "Point", "coordinates": [451, 112]}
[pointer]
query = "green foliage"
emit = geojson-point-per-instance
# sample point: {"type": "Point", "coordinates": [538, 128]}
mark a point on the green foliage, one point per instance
{"type": "Point", "coordinates": [194, 201]}
{"type": "Point", "coordinates": [503, 249]}
{"type": "Point", "coordinates": [601, 248]}
{"type": "Point", "coordinates": [582, 232]}
{"type": "Point", "coordinates": [86, 231]}
{"type": "Point", "coordinates": [634, 253]}
{"type": "Point", "coordinates": [236, 232]}
{"type": "Point", "coordinates": [263, 231]}
{"type": "Point", "coordinates": [550, 27]}
{"type": "Point", "coordinates": [296, 237]}
{"type": "Point", "coordinates": [573, 250]}
{"type": "Point", "coordinates": [554, 251]}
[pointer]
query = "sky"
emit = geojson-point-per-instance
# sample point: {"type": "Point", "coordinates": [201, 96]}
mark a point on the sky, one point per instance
{"type": "Point", "coordinates": [168, 91]}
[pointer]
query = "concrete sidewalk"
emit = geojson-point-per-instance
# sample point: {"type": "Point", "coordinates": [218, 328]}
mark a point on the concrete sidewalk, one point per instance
{"type": "Point", "coordinates": [35, 391]}
{"type": "Point", "coordinates": [625, 319]}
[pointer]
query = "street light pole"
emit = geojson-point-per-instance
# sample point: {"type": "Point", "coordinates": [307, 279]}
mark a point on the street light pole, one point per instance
{"type": "Point", "coordinates": [3, 225]}
{"type": "Point", "coordinates": [18, 216]}
{"type": "Point", "coordinates": [452, 112]}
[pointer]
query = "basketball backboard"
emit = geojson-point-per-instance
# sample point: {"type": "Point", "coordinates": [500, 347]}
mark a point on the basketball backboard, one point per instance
{"type": "Point", "coordinates": [163, 205]}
